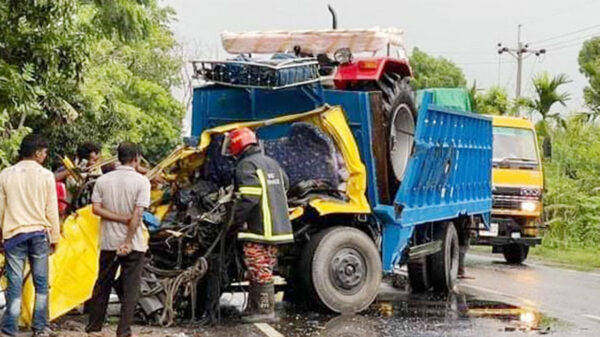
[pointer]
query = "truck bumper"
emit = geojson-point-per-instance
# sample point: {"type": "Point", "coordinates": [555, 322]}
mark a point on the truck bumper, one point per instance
{"type": "Point", "coordinates": [502, 241]}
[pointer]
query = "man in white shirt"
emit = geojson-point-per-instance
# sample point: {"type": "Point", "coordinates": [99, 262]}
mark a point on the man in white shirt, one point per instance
{"type": "Point", "coordinates": [120, 198]}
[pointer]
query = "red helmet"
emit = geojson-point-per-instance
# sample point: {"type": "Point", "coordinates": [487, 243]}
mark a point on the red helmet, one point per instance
{"type": "Point", "coordinates": [239, 139]}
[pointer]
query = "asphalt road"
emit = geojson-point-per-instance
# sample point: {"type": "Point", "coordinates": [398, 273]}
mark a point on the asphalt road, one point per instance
{"type": "Point", "coordinates": [498, 300]}
{"type": "Point", "coordinates": [571, 297]}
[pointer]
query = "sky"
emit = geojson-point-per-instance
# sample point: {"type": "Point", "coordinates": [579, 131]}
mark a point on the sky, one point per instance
{"type": "Point", "coordinates": [464, 31]}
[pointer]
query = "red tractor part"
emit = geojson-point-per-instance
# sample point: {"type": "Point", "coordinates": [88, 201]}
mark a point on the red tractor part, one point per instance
{"type": "Point", "coordinates": [348, 75]}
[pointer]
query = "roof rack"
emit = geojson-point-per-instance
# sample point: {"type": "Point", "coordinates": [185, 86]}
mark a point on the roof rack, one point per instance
{"type": "Point", "coordinates": [269, 74]}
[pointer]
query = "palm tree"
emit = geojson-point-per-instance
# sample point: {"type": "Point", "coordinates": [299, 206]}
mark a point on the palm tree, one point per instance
{"type": "Point", "coordinates": [546, 95]}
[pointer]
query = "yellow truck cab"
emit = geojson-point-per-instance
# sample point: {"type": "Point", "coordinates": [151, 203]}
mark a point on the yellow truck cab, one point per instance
{"type": "Point", "coordinates": [517, 186]}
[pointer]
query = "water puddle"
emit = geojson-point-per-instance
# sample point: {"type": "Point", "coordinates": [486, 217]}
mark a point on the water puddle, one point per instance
{"type": "Point", "coordinates": [427, 314]}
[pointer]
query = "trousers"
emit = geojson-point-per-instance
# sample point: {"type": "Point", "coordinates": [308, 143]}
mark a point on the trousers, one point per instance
{"type": "Point", "coordinates": [132, 266]}
{"type": "Point", "coordinates": [36, 250]}
{"type": "Point", "coordinates": [260, 259]}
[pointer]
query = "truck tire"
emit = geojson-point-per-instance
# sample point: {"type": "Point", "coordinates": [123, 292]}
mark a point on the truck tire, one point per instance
{"type": "Point", "coordinates": [401, 115]}
{"type": "Point", "coordinates": [443, 265]}
{"type": "Point", "coordinates": [515, 253]}
{"type": "Point", "coordinates": [341, 270]}
{"type": "Point", "coordinates": [418, 276]}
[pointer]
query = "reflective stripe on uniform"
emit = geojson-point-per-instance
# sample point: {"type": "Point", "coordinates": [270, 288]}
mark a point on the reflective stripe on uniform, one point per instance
{"type": "Point", "coordinates": [274, 238]}
{"type": "Point", "coordinates": [266, 210]}
{"type": "Point", "coordinates": [250, 190]}
{"type": "Point", "coordinates": [266, 213]}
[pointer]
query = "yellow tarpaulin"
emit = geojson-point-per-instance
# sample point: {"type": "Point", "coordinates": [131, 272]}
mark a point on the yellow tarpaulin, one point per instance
{"type": "Point", "coordinates": [73, 267]}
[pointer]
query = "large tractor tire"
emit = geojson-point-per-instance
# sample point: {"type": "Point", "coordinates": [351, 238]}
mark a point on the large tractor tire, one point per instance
{"type": "Point", "coordinates": [341, 270]}
{"type": "Point", "coordinates": [401, 115]}
{"type": "Point", "coordinates": [515, 253]}
{"type": "Point", "coordinates": [443, 265]}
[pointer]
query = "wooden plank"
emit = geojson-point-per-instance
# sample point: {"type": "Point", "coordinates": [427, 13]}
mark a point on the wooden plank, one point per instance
{"type": "Point", "coordinates": [380, 147]}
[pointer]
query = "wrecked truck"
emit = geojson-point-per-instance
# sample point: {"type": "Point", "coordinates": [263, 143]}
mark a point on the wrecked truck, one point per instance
{"type": "Point", "coordinates": [374, 184]}
{"type": "Point", "coordinates": [346, 236]}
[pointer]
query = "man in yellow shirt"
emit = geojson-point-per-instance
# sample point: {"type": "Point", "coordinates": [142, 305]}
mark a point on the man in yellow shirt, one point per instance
{"type": "Point", "coordinates": [30, 231]}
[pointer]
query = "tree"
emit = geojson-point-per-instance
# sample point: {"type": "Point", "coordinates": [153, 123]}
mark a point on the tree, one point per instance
{"type": "Point", "coordinates": [432, 72]}
{"type": "Point", "coordinates": [41, 63]}
{"type": "Point", "coordinates": [126, 94]}
{"type": "Point", "coordinates": [78, 70]}
{"type": "Point", "coordinates": [547, 95]}
{"type": "Point", "coordinates": [589, 66]}
{"type": "Point", "coordinates": [493, 101]}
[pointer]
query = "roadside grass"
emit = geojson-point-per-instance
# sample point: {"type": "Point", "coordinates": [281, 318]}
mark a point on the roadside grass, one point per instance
{"type": "Point", "coordinates": [575, 258]}
{"type": "Point", "coordinates": [584, 259]}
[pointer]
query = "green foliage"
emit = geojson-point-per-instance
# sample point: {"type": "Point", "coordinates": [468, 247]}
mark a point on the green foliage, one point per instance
{"type": "Point", "coordinates": [577, 258]}
{"type": "Point", "coordinates": [494, 101]}
{"type": "Point", "coordinates": [41, 58]}
{"type": "Point", "coordinates": [88, 70]}
{"type": "Point", "coordinates": [546, 95]}
{"type": "Point", "coordinates": [572, 200]}
{"type": "Point", "coordinates": [589, 66]}
{"type": "Point", "coordinates": [9, 140]}
{"type": "Point", "coordinates": [432, 72]}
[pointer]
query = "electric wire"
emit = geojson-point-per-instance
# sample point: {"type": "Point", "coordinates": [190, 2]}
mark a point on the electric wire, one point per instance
{"type": "Point", "coordinates": [566, 34]}
{"type": "Point", "coordinates": [579, 38]}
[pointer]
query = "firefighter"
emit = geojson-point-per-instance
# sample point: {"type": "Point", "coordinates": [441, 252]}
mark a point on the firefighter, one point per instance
{"type": "Point", "coordinates": [260, 216]}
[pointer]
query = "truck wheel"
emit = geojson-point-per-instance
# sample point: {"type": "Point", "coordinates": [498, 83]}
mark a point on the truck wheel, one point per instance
{"type": "Point", "coordinates": [444, 264]}
{"type": "Point", "coordinates": [401, 114]}
{"type": "Point", "coordinates": [418, 276]}
{"type": "Point", "coordinates": [515, 253]}
{"type": "Point", "coordinates": [341, 269]}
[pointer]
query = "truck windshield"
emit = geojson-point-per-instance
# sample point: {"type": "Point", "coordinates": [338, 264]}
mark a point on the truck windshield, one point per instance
{"type": "Point", "coordinates": [514, 146]}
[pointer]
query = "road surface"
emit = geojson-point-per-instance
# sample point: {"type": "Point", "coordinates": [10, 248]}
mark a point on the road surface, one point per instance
{"type": "Point", "coordinates": [499, 300]}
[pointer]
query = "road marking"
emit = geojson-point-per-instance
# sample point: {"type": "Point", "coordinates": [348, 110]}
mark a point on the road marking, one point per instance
{"type": "Point", "coordinates": [594, 317]}
{"type": "Point", "coordinates": [268, 330]}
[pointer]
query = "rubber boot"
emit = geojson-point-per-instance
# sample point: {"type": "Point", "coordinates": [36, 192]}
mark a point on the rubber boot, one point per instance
{"type": "Point", "coordinates": [261, 304]}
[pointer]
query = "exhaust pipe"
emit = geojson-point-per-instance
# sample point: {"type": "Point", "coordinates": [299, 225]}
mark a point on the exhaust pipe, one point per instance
{"type": "Point", "coordinates": [334, 24]}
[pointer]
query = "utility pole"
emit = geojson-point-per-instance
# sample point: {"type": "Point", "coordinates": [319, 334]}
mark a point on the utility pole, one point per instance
{"type": "Point", "coordinates": [520, 53]}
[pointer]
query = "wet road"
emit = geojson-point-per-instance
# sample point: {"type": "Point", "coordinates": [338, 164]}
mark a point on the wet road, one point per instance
{"type": "Point", "coordinates": [499, 300]}
{"type": "Point", "coordinates": [572, 297]}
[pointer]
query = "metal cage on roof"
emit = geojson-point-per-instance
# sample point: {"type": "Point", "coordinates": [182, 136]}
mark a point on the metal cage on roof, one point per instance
{"type": "Point", "coordinates": [270, 74]}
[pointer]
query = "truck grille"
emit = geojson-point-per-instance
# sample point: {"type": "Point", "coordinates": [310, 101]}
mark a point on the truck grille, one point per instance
{"type": "Point", "coordinates": [499, 202]}
{"type": "Point", "coordinates": [509, 202]}
{"type": "Point", "coordinates": [509, 198]}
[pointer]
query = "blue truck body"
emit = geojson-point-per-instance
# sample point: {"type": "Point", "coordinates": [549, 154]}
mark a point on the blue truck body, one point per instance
{"type": "Point", "coordinates": [448, 175]}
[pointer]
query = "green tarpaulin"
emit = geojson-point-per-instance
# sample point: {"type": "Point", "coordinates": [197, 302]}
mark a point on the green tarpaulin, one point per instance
{"type": "Point", "coordinates": [454, 98]}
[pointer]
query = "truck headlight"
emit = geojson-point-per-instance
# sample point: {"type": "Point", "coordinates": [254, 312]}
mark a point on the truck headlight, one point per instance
{"type": "Point", "coordinates": [529, 206]}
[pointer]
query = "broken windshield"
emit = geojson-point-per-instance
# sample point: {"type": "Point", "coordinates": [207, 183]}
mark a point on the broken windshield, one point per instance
{"type": "Point", "coordinates": [514, 145]}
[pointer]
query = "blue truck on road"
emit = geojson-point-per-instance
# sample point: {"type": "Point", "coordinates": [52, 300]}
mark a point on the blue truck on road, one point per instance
{"type": "Point", "coordinates": [419, 219]}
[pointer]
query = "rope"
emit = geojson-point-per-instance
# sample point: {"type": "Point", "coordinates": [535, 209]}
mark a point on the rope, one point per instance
{"type": "Point", "coordinates": [188, 278]}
